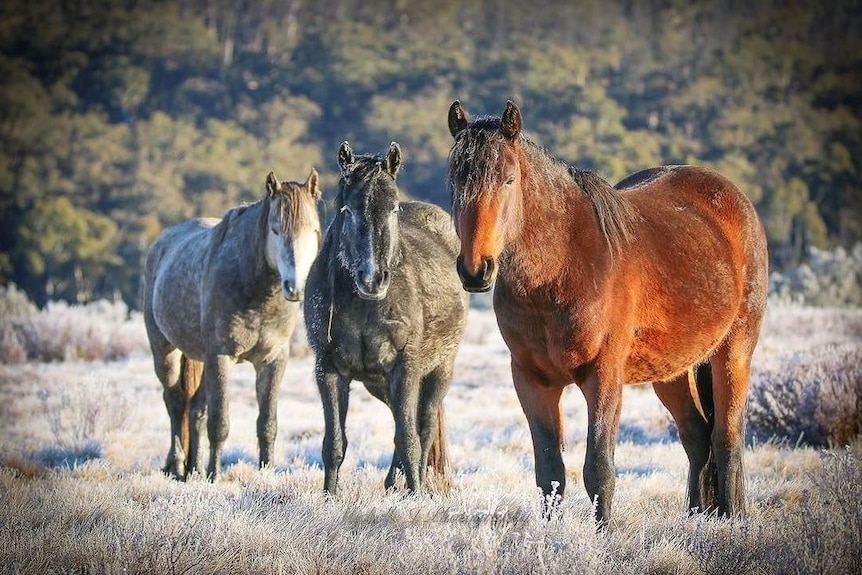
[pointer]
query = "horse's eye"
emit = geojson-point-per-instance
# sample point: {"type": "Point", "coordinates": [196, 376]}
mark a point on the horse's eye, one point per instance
{"type": "Point", "coordinates": [275, 231]}
{"type": "Point", "coordinates": [510, 180]}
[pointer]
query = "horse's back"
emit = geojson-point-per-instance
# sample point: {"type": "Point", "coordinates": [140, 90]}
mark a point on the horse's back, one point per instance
{"type": "Point", "coordinates": [701, 242]}
{"type": "Point", "coordinates": [642, 177]}
{"type": "Point", "coordinates": [431, 221]}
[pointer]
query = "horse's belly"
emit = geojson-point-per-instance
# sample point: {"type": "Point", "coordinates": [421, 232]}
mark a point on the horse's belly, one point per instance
{"type": "Point", "coordinates": [176, 310]}
{"type": "Point", "coordinates": [659, 356]}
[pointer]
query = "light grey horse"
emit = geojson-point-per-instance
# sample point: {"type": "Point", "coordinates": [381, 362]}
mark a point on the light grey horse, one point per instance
{"type": "Point", "coordinates": [223, 291]}
{"type": "Point", "coordinates": [385, 307]}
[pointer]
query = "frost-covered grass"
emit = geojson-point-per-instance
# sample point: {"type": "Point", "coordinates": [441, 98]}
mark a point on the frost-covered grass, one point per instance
{"type": "Point", "coordinates": [81, 444]}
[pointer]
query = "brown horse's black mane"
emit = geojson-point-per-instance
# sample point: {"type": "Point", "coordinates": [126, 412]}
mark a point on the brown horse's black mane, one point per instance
{"type": "Point", "coordinates": [614, 212]}
{"type": "Point", "coordinates": [475, 156]}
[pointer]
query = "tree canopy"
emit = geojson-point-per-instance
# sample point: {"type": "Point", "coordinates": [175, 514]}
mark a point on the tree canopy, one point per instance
{"type": "Point", "coordinates": [118, 119]}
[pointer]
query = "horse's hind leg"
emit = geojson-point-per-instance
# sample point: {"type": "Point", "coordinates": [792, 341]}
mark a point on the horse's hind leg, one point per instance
{"type": "Point", "coordinates": [168, 370]}
{"type": "Point", "coordinates": [197, 426]}
{"type": "Point", "coordinates": [694, 429]}
{"type": "Point", "coordinates": [267, 382]}
{"type": "Point", "coordinates": [730, 366]}
{"type": "Point", "coordinates": [389, 482]}
{"type": "Point", "coordinates": [380, 393]}
{"type": "Point", "coordinates": [432, 433]}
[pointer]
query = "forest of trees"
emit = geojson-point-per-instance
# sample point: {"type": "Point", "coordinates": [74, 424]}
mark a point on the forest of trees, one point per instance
{"type": "Point", "coordinates": [121, 117]}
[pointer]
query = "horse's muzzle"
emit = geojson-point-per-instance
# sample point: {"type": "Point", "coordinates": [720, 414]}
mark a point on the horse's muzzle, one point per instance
{"type": "Point", "coordinates": [291, 292]}
{"type": "Point", "coordinates": [479, 282]}
{"type": "Point", "coordinates": [373, 286]}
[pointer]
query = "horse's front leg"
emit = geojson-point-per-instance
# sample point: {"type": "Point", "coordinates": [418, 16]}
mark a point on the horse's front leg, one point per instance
{"type": "Point", "coordinates": [540, 401]}
{"type": "Point", "coordinates": [604, 402]}
{"type": "Point", "coordinates": [334, 396]}
{"type": "Point", "coordinates": [404, 389]}
{"type": "Point", "coordinates": [267, 382]}
{"type": "Point", "coordinates": [217, 371]}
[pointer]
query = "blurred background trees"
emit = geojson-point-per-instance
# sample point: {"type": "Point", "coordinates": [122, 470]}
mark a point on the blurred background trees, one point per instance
{"type": "Point", "coordinates": [118, 119]}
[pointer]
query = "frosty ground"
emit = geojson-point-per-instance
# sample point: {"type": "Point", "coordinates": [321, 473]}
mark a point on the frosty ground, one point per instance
{"type": "Point", "coordinates": [81, 444]}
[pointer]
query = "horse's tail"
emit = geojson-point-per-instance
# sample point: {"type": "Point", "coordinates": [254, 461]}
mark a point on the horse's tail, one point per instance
{"type": "Point", "coordinates": [191, 373]}
{"type": "Point", "coordinates": [439, 478]}
{"type": "Point", "coordinates": [700, 386]}
{"type": "Point", "coordinates": [701, 391]}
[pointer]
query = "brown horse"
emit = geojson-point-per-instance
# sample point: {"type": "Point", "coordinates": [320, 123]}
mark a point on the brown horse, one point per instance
{"type": "Point", "coordinates": [604, 287]}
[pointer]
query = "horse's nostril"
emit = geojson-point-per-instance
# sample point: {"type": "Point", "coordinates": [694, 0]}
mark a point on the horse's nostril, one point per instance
{"type": "Point", "coordinates": [487, 269]}
{"type": "Point", "coordinates": [384, 277]}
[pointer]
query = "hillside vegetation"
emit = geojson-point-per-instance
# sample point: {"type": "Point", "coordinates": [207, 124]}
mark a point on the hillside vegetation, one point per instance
{"type": "Point", "coordinates": [120, 118]}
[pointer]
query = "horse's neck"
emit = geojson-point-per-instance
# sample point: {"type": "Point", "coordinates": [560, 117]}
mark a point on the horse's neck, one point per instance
{"type": "Point", "coordinates": [559, 238]}
{"type": "Point", "coordinates": [242, 231]}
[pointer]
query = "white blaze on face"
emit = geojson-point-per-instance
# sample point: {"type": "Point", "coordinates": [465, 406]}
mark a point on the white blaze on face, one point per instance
{"type": "Point", "coordinates": [305, 247]}
{"type": "Point", "coordinates": [292, 257]}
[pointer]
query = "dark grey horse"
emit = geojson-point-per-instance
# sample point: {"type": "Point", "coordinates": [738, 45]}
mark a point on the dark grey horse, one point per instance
{"type": "Point", "coordinates": [385, 307]}
{"type": "Point", "coordinates": [223, 291]}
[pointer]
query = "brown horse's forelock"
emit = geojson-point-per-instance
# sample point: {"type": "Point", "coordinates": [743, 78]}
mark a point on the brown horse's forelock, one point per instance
{"type": "Point", "coordinates": [474, 167]}
{"type": "Point", "coordinates": [474, 161]}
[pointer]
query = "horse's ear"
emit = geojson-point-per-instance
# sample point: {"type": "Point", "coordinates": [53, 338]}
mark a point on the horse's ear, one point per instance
{"type": "Point", "coordinates": [313, 186]}
{"type": "Point", "coordinates": [345, 157]}
{"type": "Point", "coordinates": [272, 185]}
{"type": "Point", "coordinates": [458, 118]}
{"type": "Point", "coordinates": [510, 123]}
{"type": "Point", "coordinates": [393, 159]}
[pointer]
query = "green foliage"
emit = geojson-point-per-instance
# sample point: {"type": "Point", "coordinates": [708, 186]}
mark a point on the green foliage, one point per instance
{"type": "Point", "coordinates": [151, 112]}
{"type": "Point", "coordinates": [67, 248]}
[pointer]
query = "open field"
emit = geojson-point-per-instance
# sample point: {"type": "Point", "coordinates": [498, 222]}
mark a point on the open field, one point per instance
{"type": "Point", "coordinates": [81, 445]}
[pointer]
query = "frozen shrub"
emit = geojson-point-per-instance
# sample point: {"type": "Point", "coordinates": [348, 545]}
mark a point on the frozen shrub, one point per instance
{"type": "Point", "coordinates": [15, 310]}
{"type": "Point", "coordinates": [829, 278]}
{"type": "Point", "coordinates": [14, 304]}
{"type": "Point", "coordinates": [100, 330]}
{"type": "Point", "coordinates": [80, 417]}
{"type": "Point", "coordinates": [814, 398]}
{"type": "Point", "coordinates": [12, 350]}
